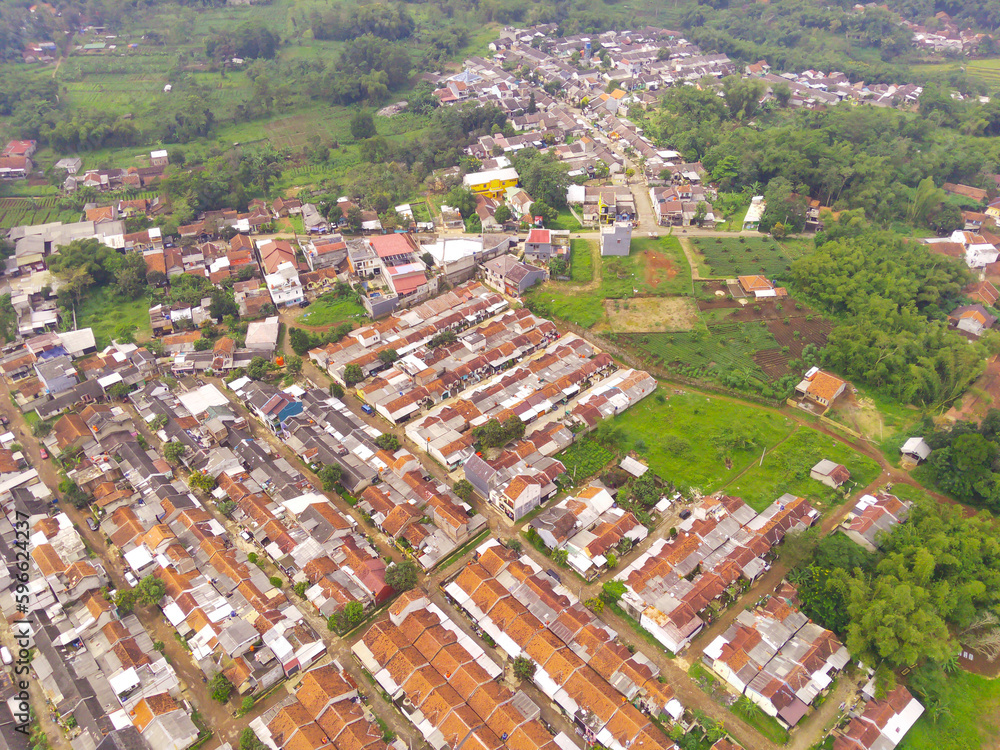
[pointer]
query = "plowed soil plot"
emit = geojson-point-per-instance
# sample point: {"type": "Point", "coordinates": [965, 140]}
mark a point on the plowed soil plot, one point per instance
{"type": "Point", "coordinates": [794, 334]}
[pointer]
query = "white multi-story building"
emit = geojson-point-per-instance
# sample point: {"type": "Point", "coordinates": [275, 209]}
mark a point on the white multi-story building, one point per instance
{"type": "Point", "coordinates": [285, 286]}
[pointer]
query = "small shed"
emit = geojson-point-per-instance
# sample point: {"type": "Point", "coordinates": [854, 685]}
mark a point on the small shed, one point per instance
{"type": "Point", "coordinates": [916, 449]}
{"type": "Point", "coordinates": [829, 473]}
{"type": "Point", "coordinates": [633, 467]}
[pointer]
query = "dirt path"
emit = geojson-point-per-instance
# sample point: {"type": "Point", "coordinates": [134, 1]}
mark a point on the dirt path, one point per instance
{"type": "Point", "coordinates": [692, 258]}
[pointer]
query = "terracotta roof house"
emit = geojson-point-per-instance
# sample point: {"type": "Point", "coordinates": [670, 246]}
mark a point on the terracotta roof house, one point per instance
{"type": "Point", "coordinates": [821, 387]}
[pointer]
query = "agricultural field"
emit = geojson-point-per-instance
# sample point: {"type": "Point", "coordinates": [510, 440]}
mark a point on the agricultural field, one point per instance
{"type": "Point", "coordinates": [986, 70]}
{"type": "Point", "coordinates": [786, 469]}
{"type": "Point", "coordinates": [17, 211]}
{"type": "Point", "coordinates": [687, 438]}
{"type": "Point", "coordinates": [792, 324]}
{"type": "Point", "coordinates": [728, 257]}
{"type": "Point", "coordinates": [707, 353]}
{"type": "Point", "coordinates": [585, 458]}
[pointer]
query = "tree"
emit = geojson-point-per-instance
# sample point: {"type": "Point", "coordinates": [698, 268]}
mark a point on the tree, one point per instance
{"type": "Point", "coordinates": [388, 356]}
{"type": "Point", "coordinates": [227, 507]}
{"type": "Point", "coordinates": [594, 604]}
{"type": "Point", "coordinates": [119, 391]}
{"type": "Point", "coordinates": [174, 451]}
{"type": "Point", "coordinates": [250, 741]}
{"type": "Point", "coordinates": [612, 560]}
{"type": "Point", "coordinates": [612, 591]}
{"type": "Point", "coordinates": [541, 208]}
{"type": "Point", "coordinates": [301, 342]}
{"type": "Point", "coordinates": [330, 476]}
{"type": "Point", "coordinates": [71, 493]}
{"type": "Point", "coordinates": [502, 215]}
{"type": "Point", "coordinates": [387, 442]}
{"type": "Point", "coordinates": [220, 688]}
{"type": "Point", "coordinates": [524, 668]}
{"type": "Point", "coordinates": [558, 267]}
{"type": "Point", "coordinates": [293, 366]}
{"type": "Point", "coordinates": [462, 200]}
{"type": "Point", "coordinates": [353, 374]}
{"type": "Point", "coordinates": [199, 480]}
{"type": "Point", "coordinates": [363, 125]}
{"type": "Point", "coordinates": [354, 612]}
{"type": "Point", "coordinates": [463, 488]}
{"type": "Point", "coordinates": [150, 591]}
{"type": "Point", "coordinates": [125, 600]}
{"type": "Point", "coordinates": [336, 390]}
{"type": "Point", "coordinates": [223, 304]}
{"type": "Point", "coordinates": [247, 704]}
{"type": "Point", "coordinates": [401, 576]}
{"type": "Point", "coordinates": [130, 274]}
{"type": "Point", "coordinates": [258, 368]}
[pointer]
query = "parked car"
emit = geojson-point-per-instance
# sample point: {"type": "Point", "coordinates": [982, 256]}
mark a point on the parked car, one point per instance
{"type": "Point", "coordinates": [3, 420]}
{"type": "Point", "coordinates": [685, 514]}
{"type": "Point", "coordinates": [42, 452]}
{"type": "Point", "coordinates": [92, 524]}
{"type": "Point", "coordinates": [132, 581]}
{"type": "Point", "coordinates": [367, 409]}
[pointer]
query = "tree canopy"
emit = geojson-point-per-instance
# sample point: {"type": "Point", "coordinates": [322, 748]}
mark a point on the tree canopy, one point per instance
{"type": "Point", "coordinates": [892, 297]}
{"type": "Point", "coordinates": [934, 576]}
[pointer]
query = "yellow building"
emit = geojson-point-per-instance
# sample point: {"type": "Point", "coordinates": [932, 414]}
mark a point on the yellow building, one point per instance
{"type": "Point", "coordinates": [491, 183]}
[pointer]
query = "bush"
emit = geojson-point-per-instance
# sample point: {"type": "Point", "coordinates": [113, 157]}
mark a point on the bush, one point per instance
{"type": "Point", "coordinates": [275, 581]}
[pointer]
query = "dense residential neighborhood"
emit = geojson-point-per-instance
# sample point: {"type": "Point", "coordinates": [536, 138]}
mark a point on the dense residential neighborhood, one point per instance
{"type": "Point", "coordinates": [466, 377]}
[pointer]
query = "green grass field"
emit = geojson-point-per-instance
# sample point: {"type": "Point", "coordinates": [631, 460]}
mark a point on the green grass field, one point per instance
{"type": "Point", "coordinates": [654, 267]}
{"type": "Point", "coordinates": [786, 469]}
{"type": "Point", "coordinates": [103, 311]}
{"type": "Point", "coordinates": [581, 261]}
{"type": "Point", "coordinates": [679, 437]}
{"type": "Point", "coordinates": [555, 300]}
{"type": "Point", "coordinates": [971, 722]}
{"type": "Point", "coordinates": [329, 310]}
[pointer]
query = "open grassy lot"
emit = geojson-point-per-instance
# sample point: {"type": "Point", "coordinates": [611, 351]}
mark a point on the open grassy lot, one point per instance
{"type": "Point", "coordinates": [104, 311]}
{"type": "Point", "coordinates": [786, 469]}
{"type": "Point", "coordinates": [565, 302]}
{"type": "Point", "coordinates": [971, 721]}
{"type": "Point", "coordinates": [683, 436]}
{"type": "Point", "coordinates": [655, 266]}
{"type": "Point", "coordinates": [728, 257]}
{"type": "Point", "coordinates": [329, 310]}
{"type": "Point", "coordinates": [581, 261]}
